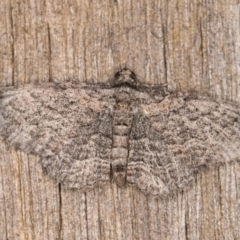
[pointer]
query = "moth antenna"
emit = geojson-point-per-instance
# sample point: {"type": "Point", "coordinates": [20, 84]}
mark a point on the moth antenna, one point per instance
{"type": "Point", "coordinates": [147, 88]}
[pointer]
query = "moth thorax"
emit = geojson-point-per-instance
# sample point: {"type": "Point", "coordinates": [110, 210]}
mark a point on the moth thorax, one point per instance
{"type": "Point", "coordinates": [123, 93]}
{"type": "Point", "coordinates": [122, 118]}
{"type": "Point", "coordinates": [122, 106]}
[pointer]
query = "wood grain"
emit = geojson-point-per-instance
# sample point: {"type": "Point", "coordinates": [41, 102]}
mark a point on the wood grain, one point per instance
{"type": "Point", "coordinates": [188, 45]}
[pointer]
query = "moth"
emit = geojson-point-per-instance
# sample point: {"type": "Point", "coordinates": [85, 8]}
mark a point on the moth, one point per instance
{"type": "Point", "coordinates": [87, 135]}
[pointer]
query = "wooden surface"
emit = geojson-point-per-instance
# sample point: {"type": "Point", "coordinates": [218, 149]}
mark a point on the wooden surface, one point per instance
{"type": "Point", "coordinates": [188, 45]}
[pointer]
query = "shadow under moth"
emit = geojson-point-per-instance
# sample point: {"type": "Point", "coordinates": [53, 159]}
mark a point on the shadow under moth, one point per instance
{"type": "Point", "coordinates": [86, 135]}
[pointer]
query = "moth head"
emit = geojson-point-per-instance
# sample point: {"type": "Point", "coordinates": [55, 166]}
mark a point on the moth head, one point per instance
{"type": "Point", "coordinates": [125, 77]}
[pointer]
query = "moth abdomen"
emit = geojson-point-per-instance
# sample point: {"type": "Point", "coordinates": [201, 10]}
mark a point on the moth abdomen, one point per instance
{"type": "Point", "coordinates": [122, 122]}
